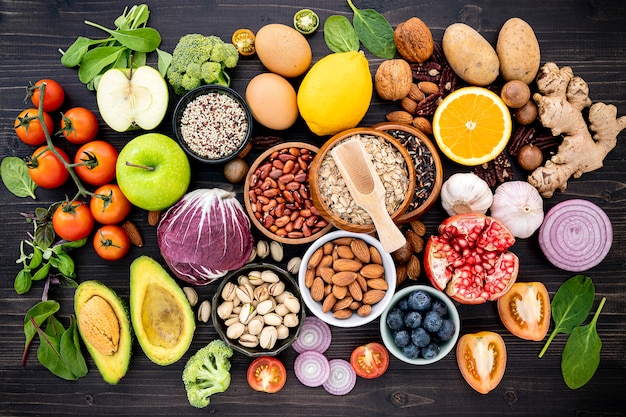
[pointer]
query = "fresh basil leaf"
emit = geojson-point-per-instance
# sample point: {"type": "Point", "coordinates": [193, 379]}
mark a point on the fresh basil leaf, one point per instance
{"type": "Point", "coordinates": [39, 313]}
{"type": "Point", "coordinates": [96, 60]}
{"type": "Point", "coordinates": [73, 244]}
{"type": "Point", "coordinates": [36, 258]}
{"type": "Point", "coordinates": [339, 34]}
{"type": "Point", "coordinates": [44, 237]}
{"type": "Point", "coordinates": [374, 32]}
{"type": "Point", "coordinates": [64, 263]}
{"type": "Point", "coordinates": [581, 355]}
{"type": "Point", "coordinates": [15, 177]}
{"type": "Point", "coordinates": [23, 281]}
{"type": "Point", "coordinates": [42, 272]}
{"type": "Point", "coordinates": [70, 350]}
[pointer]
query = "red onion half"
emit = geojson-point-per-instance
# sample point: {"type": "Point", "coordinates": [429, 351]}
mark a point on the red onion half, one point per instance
{"type": "Point", "coordinates": [576, 235]}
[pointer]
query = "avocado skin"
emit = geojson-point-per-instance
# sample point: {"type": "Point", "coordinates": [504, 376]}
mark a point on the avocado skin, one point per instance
{"type": "Point", "coordinates": [112, 368]}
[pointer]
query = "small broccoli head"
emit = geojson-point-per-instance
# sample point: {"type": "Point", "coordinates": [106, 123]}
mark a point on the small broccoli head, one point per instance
{"type": "Point", "coordinates": [207, 372]}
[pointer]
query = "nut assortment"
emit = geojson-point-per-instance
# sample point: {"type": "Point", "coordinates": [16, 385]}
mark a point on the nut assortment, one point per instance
{"type": "Point", "coordinates": [346, 275]}
{"type": "Point", "coordinates": [257, 310]}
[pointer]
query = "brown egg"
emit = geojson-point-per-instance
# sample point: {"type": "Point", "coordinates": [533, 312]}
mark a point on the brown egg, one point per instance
{"type": "Point", "coordinates": [272, 101]}
{"type": "Point", "coordinates": [283, 50]}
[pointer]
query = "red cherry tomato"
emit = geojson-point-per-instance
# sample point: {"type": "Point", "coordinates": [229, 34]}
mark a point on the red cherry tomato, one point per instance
{"type": "Point", "coordinates": [30, 130]}
{"type": "Point", "coordinates": [52, 98]}
{"type": "Point", "coordinates": [525, 310]}
{"type": "Point", "coordinates": [370, 360]}
{"type": "Point", "coordinates": [98, 159]}
{"type": "Point", "coordinates": [46, 170]}
{"type": "Point", "coordinates": [72, 221]}
{"type": "Point", "coordinates": [79, 125]}
{"type": "Point", "coordinates": [109, 205]}
{"type": "Point", "coordinates": [267, 374]}
{"type": "Point", "coordinates": [111, 242]}
{"type": "Point", "coordinates": [482, 359]}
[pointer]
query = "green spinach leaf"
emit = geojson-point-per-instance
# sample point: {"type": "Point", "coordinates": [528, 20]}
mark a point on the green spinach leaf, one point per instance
{"type": "Point", "coordinates": [70, 350]}
{"type": "Point", "coordinates": [140, 39]}
{"type": "Point", "coordinates": [96, 60]}
{"type": "Point", "coordinates": [15, 177]}
{"type": "Point", "coordinates": [50, 350]}
{"type": "Point", "coordinates": [339, 34]}
{"type": "Point", "coordinates": [38, 313]}
{"type": "Point", "coordinates": [374, 32]}
{"type": "Point", "coordinates": [581, 355]}
{"type": "Point", "coordinates": [570, 306]}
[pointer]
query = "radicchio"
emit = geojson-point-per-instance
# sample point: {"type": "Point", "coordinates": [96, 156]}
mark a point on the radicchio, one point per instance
{"type": "Point", "coordinates": [205, 235]}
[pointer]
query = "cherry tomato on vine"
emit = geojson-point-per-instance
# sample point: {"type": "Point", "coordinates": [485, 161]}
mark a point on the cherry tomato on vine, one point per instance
{"type": "Point", "coordinates": [98, 159]}
{"type": "Point", "coordinates": [46, 170]}
{"type": "Point", "coordinates": [72, 220]}
{"type": "Point", "coordinates": [525, 310]}
{"type": "Point", "coordinates": [53, 96]}
{"type": "Point", "coordinates": [109, 205]}
{"type": "Point", "coordinates": [79, 125]}
{"type": "Point", "coordinates": [30, 130]}
{"type": "Point", "coordinates": [267, 374]}
{"type": "Point", "coordinates": [111, 242]}
{"type": "Point", "coordinates": [481, 357]}
{"type": "Point", "coordinates": [370, 360]}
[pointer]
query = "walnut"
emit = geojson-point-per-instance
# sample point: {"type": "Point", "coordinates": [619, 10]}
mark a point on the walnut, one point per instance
{"type": "Point", "coordinates": [414, 40]}
{"type": "Point", "coordinates": [393, 79]}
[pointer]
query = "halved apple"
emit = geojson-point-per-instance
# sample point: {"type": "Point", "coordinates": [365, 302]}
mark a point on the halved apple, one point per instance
{"type": "Point", "coordinates": [134, 99]}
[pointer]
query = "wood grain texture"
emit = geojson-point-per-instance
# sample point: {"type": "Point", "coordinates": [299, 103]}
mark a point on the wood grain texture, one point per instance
{"type": "Point", "coordinates": [589, 36]}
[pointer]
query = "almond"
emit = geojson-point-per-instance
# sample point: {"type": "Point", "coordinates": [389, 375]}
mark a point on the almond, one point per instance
{"type": "Point", "coordinates": [423, 124]}
{"type": "Point", "coordinates": [375, 257]}
{"type": "Point", "coordinates": [354, 305]}
{"type": "Point", "coordinates": [415, 93]}
{"type": "Point", "coordinates": [328, 248]}
{"type": "Point", "coordinates": [413, 268]}
{"type": "Point", "coordinates": [309, 276]}
{"type": "Point", "coordinates": [364, 310]}
{"type": "Point", "coordinates": [418, 227]}
{"type": "Point", "coordinates": [343, 314]}
{"type": "Point", "coordinates": [326, 274]}
{"type": "Point", "coordinates": [133, 233]}
{"type": "Point", "coordinates": [343, 303]}
{"type": "Point", "coordinates": [339, 291]}
{"type": "Point", "coordinates": [315, 258]}
{"type": "Point", "coordinates": [343, 241]}
{"type": "Point", "coordinates": [360, 250]}
{"type": "Point", "coordinates": [408, 105]}
{"type": "Point", "coordinates": [428, 87]}
{"type": "Point", "coordinates": [344, 278]}
{"type": "Point", "coordinates": [378, 284]}
{"type": "Point", "coordinates": [362, 282]}
{"type": "Point", "coordinates": [401, 274]}
{"type": "Point", "coordinates": [154, 216]}
{"type": "Point", "coordinates": [400, 116]}
{"type": "Point", "coordinates": [327, 260]}
{"type": "Point", "coordinates": [373, 296]}
{"type": "Point", "coordinates": [355, 290]}
{"type": "Point", "coordinates": [344, 251]}
{"type": "Point", "coordinates": [372, 271]}
{"type": "Point", "coordinates": [329, 303]}
{"type": "Point", "coordinates": [343, 264]}
{"type": "Point", "coordinates": [317, 289]}
{"type": "Point", "coordinates": [416, 241]}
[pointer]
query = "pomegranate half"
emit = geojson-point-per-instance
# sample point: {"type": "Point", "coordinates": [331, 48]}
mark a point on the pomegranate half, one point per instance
{"type": "Point", "coordinates": [469, 259]}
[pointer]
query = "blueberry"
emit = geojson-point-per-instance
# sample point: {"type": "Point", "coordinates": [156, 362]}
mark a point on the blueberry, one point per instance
{"type": "Point", "coordinates": [420, 337]}
{"type": "Point", "coordinates": [419, 300]}
{"type": "Point", "coordinates": [413, 319]}
{"type": "Point", "coordinates": [439, 307]}
{"type": "Point", "coordinates": [402, 338]}
{"type": "Point", "coordinates": [411, 351]}
{"type": "Point", "coordinates": [446, 331]}
{"type": "Point", "coordinates": [430, 351]}
{"type": "Point", "coordinates": [432, 321]}
{"type": "Point", "coordinates": [403, 304]}
{"type": "Point", "coordinates": [395, 319]}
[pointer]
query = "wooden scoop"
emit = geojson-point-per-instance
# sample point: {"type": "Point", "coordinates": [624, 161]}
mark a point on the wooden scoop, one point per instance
{"type": "Point", "coordinates": [367, 190]}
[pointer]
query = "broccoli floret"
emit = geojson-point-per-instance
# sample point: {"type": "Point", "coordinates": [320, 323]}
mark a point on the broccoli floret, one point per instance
{"type": "Point", "coordinates": [188, 70]}
{"type": "Point", "coordinates": [207, 372]}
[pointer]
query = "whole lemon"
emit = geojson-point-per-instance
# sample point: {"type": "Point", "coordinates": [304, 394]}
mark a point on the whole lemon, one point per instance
{"type": "Point", "coordinates": [336, 93]}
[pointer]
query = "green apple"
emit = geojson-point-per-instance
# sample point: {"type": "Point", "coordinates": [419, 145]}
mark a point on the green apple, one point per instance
{"type": "Point", "coordinates": [134, 99]}
{"type": "Point", "coordinates": [153, 171]}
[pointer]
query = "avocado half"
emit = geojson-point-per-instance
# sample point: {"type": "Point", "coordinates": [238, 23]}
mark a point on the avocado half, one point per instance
{"type": "Point", "coordinates": [111, 357]}
{"type": "Point", "coordinates": [162, 318]}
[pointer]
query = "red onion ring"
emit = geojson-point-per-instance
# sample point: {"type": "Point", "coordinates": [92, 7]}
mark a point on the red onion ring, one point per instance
{"type": "Point", "coordinates": [342, 377]}
{"type": "Point", "coordinates": [311, 368]}
{"type": "Point", "coordinates": [576, 235]}
{"type": "Point", "coordinates": [314, 335]}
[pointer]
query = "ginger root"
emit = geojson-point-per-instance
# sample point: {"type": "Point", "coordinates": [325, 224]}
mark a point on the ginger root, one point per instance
{"type": "Point", "coordinates": [561, 99]}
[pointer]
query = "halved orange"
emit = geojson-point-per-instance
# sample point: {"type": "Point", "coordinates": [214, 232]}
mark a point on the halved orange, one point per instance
{"type": "Point", "coordinates": [472, 125]}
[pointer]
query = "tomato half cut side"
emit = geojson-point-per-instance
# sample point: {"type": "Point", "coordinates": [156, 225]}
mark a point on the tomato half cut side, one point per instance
{"type": "Point", "coordinates": [370, 360]}
{"type": "Point", "coordinates": [267, 374]}
{"type": "Point", "coordinates": [525, 310]}
{"type": "Point", "coordinates": [481, 358]}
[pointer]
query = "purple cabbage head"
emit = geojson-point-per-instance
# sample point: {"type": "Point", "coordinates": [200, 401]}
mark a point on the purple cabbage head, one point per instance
{"type": "Point", "coordinates": [205, 235]}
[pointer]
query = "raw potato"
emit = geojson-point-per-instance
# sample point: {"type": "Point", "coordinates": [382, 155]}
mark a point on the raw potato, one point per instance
{"type": "Point", "coordinates": [518, 51]}
{"type": "Point", "coordinates": [470, 55]}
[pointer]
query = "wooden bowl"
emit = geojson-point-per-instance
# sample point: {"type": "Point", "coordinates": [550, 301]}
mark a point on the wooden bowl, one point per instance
{"type": "Point", "coordinates": [428, 181]}
{"type": "Point", "coordinates": [267, 222]}
{"type": "Point", "coordinates": [316, 195]}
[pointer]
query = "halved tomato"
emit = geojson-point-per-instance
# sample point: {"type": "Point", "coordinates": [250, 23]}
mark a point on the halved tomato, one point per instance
{"type": "Point", "coordinates": [525, 310]}
{"type": "Point", "coordinates": [482, 360]}
{"type": "Point", "coordinates": [267, 374]}
{"type": "Point", "coordinates": [370, 360]}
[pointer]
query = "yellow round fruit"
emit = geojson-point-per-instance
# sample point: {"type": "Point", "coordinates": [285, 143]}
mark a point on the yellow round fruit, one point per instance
{"type": "Point", "coordinates": [472, 126]}
{"type": "Point", "coordinates": [336, 93]}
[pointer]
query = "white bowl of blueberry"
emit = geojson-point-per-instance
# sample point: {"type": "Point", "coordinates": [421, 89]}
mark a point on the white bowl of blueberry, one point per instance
{"type": "Point", "coordinates": [420, 326]}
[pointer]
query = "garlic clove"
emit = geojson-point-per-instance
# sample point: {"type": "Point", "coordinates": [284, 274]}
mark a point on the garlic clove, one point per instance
{"type": "Point", "coordinates": [465, 193]}
{"type": "Point", "coordinates": [519, 206]}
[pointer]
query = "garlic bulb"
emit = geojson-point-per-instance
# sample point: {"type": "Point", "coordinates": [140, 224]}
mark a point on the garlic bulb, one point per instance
{"type": "Point", "coordinates": [519, 206]}
{"type": "Point", "coordinates": [465, 193]}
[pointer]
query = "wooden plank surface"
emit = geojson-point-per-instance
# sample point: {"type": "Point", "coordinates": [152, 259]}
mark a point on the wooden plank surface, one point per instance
{"type": "Point", "coordinates": [589, 36]}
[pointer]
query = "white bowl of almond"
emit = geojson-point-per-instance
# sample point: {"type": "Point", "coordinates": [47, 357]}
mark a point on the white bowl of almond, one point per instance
{"type": "Point", "coordinates": [346, 278]}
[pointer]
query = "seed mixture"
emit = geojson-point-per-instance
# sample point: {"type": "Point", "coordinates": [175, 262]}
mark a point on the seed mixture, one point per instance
{"type": "Point", "coordinates": [390, 167]}
{"type": "Point", "coordinates": [423, 162]}
{"type": "Point", "coordinates": [214, 125]}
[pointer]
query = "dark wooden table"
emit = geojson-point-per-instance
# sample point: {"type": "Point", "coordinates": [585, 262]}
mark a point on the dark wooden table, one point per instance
{"type": "Point", "coordinates": [589, 36]}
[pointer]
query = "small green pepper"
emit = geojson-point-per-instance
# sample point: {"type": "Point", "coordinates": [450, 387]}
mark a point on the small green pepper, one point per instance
{"type": "Point", "coordinates": [306, 21]}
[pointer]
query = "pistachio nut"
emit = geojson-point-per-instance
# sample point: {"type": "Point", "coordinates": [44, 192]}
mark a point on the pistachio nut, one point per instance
{"type": "Point", "coordinates": [291, 320]}
{"type": "Point", "coordinates": [268, 337]}
{"type": "Point", "coordinates": [256, 325]}
{"type": "Point", "coordinates": [224, 309]}
{"type": "Point", "coordinates": [235, 330]}
{"type": "Point", "coordinates": [192, 295]}
{"type": "Point", "coordinates": [245, 292]}
{"type": "Point", "coordinates": [228, 292]}
{"type": "Point", "coordinates": [293, 304]}
{"type": "Point", "coordinates": [265, 306]}
{"type": "Point", "coordinates": [204, 311]}
{"type": "Point", "coordinates": [276, 251]}
{"type": "Point", "coordinates": [276, 288]}
{"type": "Point", "coordinates": [252, 255]}
{"type": "Point", "coordinates": [261, 293]}
{"type": "Point", "coordinates": [269, 276]}
{"type": "Point", "coordinates": [293, 265]}
{"type": "Point", "coordinates": [281, 309]}
{"type": "Point", "coordinates": [262, 249]}
{"type": "Point", "coordinates": [232, 319]}
{"type": "Point", "coordinates": [273, 319]}
{"type": "Point", "coordinates": [280, 298]}
{"type": "Point", "coordinates": [282, 332]}
{"type": "Point", "coordinates": [249, 340]}
{"type": "Point", "coordinates": [247, 313]}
